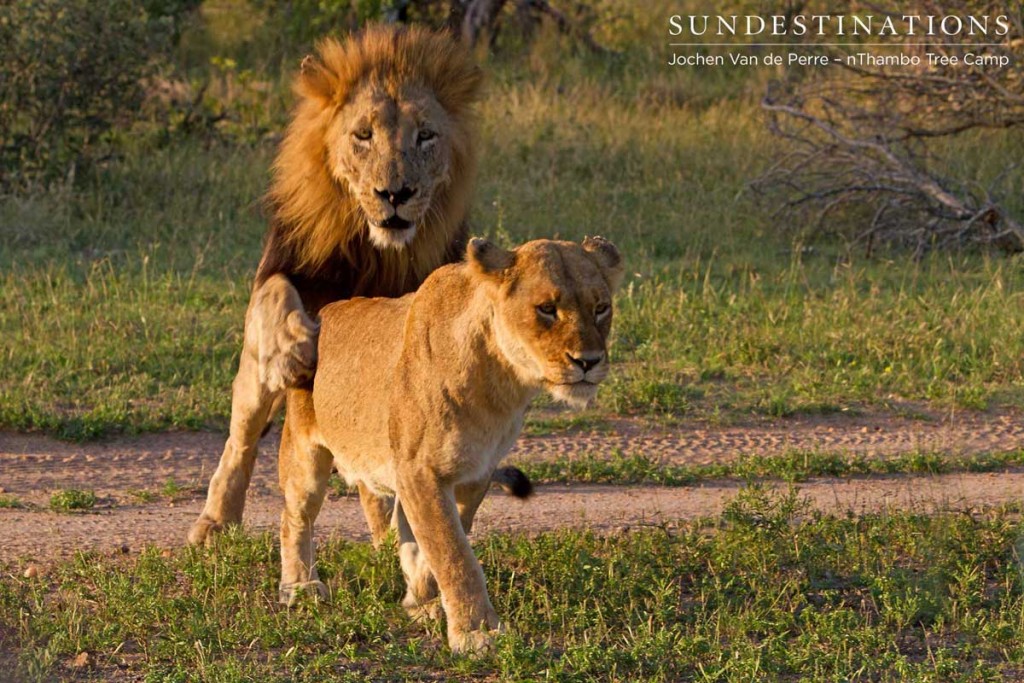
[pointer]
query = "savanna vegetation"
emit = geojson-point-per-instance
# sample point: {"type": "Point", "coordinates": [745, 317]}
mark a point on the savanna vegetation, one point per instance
{"type": "Point", "coordinates": [768, 592]}
{"type": "Point", "coordinates": [123, 286]}
{"type": "Point", "coordinates": [127, 246]}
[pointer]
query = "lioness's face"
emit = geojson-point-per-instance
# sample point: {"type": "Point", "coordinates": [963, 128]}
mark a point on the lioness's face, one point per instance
{"type": "Point", "coordinates": [554, 311]}
{"type": "Point", "coordinates": [393, 151]}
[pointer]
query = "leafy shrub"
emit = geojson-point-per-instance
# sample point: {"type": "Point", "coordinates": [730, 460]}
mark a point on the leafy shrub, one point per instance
{"type": "Point", "coordinates": [299, 23]}
{"type": "Point", "coordinates": [70, 72]}
{"type": "Point", "coordinates": [174, 13]}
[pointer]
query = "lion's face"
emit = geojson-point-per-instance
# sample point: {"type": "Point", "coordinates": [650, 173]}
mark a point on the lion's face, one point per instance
{"type": "Point", "coordinates": [393, 152]}
{"type": "Point", "coordinates": [554, 311]}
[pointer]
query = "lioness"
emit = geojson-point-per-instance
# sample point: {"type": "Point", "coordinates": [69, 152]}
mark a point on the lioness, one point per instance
{"type": "Point", "coordinates": [422, 396]}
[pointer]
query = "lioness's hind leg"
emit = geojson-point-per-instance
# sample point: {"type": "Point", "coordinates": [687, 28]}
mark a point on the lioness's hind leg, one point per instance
{"type": "Point", "coordinates": [420, 601]}
{"type": "Point", "coordinates": [468, 498]}
{"type": "Point", "coordinates": [304, 472]}
{"type": "Point", "coordinates": [379, 511]}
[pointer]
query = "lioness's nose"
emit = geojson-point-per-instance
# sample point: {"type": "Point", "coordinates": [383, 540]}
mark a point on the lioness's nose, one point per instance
{"type": "Point", "coordinates": [396, 198]}
{"type": "Point", "coordinates": [586, 361]}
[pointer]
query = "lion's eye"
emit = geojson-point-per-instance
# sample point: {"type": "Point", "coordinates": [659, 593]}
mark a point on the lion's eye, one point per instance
{"type": "Point", "coordinates": [547, 310]}
{"type": "Point", "coordinates": [601, 310]}
{"type": "Point", "coordinates": [363, 134]}
{"type": "Point", "coordinates": [425, 135]}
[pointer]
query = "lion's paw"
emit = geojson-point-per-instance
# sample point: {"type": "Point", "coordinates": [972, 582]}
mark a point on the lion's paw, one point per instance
{"type": "Point", "coordinates": [288, 353]}
{"type": "Point", "coordinates": [291, 593]}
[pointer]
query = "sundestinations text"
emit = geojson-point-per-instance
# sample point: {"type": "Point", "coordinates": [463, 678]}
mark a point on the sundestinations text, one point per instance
{"type": "Point", "coordinates": [838, 25]}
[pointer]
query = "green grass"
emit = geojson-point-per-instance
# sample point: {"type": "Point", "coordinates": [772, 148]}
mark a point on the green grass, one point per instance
{"type": "Point", "coordinates": [10, 502]}
{"type": "Point", "coordinates": [122, 299]}
{"type": "Point", "coordinates": [170, 490]}
{"type": "Point", "coordinates": [792, 466]}
{"type": "Point", "coordinates": [69, 500]}
{"type": "Point", "coordinates": [768, 592]}
{"type": "Point", "coordinates": [540, 423]}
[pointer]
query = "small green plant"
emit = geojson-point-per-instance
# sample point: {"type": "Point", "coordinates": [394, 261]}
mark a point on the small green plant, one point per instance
{"type": "Point", "coordinates": [72, 499]}
{"type": "Point", "coordinates": [10, 502]}
{"type": "Point", "coordinates": [339, 487]}
{"type": "Point", "coordinates": [142, 495]}
{"type": "Point", "coordinates": [171, 488]}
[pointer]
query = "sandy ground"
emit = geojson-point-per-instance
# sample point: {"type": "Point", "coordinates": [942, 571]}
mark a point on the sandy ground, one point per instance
{"type": "Point", "coordinates": [33, 467]}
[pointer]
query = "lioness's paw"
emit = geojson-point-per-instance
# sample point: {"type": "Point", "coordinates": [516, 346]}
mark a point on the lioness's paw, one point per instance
{"type": "Point", "coordinates": [290, 593]}
{"type": "Point", "coordinates": [427, 611]}
{"type": "Point", "coordinates": [203, 531]}
{"type": "Point", "coordinates": [288, 353]}
{"type": "Point", "coordinates": [473, 642]}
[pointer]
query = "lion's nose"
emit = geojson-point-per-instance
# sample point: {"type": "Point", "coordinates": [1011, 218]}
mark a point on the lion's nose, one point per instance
{"type": "Point", "coordinates": [586, 361]}
{"type": "Point", "coordinates": [397, 198]}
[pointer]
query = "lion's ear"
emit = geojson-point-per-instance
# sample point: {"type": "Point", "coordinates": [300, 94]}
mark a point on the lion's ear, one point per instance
{"type": "Point", "coordinates": [488, 258]}
{"type": "Point", "coordinates": [315, 79]}
{"type": "Point", "coordinates": [607, 257]}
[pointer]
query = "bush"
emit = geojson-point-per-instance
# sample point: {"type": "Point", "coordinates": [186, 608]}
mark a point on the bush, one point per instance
{"type": "Point", "coordinates": [70, 72]}
{"type": "Point", "coordinates": [297, 24]}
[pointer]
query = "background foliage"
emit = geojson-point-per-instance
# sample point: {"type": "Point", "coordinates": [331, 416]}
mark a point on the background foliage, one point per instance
{"type": "Point", "coordinates": [122, 288]}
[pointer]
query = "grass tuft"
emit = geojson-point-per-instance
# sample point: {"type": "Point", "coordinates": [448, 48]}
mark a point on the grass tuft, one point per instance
{"type": "Point", "coordinates": [10, 502]}
{"type": "Point", "coordinates": [70, 500]}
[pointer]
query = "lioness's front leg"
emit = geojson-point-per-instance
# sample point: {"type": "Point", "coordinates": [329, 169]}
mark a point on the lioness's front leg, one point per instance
{"type": "Point", "coordinates": [429, 505]}
{"type": "Point", "coordinates": [304, 471]}
{"type": "Point", "coordinates": [421, 587]}
{"type": "Point", "coordinates": [279, 350]}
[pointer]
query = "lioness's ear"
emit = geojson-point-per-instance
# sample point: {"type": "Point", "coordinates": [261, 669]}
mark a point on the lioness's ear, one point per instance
{"type": "Point", "coordinates": [607, 257]}
{"type": "Point", "coordinates": [488, 258]}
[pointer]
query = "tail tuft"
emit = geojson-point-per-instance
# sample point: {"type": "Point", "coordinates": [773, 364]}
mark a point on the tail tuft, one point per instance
{"type": "Point", "coordinates": [513, 481]}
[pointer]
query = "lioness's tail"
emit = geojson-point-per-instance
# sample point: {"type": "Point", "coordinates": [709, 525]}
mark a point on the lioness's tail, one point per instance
{"type": "Point", "coordinates": [513, 481]}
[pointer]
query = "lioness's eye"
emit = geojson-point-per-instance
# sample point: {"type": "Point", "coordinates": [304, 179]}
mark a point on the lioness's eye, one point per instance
{"type": "Point", "coordinates": [363, 134]}
{"type": "Point", "coordinates": [602, 310]}
{"type": "Point", "coordinates": [547, 310]}
{"type": "Point", "coordinates": [425, 135]}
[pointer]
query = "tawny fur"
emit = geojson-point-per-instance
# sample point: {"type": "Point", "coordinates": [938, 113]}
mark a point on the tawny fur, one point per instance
{"type": "Point", "coordinates": [423, 396]}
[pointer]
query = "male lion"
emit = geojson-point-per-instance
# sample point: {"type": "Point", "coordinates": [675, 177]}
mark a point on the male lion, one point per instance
{"type": "Point", "coordinates": [423, 396]}
{"type": "Point", "coordinates": [369, 195]}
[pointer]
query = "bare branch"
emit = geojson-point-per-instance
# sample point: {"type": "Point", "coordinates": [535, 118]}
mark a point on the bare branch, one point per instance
{"type": "Point", "coordinates": [864, 134]}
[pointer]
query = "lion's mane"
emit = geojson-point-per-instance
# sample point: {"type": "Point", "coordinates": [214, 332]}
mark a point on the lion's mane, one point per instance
{"type": "Point", "coordinates": [318, 230]}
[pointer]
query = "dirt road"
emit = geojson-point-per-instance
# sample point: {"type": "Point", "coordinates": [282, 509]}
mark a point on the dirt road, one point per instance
{"type": "Point", "coordinates": [129, 476]}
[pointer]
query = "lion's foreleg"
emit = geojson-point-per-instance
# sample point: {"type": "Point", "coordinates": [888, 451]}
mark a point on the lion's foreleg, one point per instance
{"type": "Point", "coordinates": [279, 350]}
{"type": "Point", "coordinates": [250, 412]}
{"type": "Point", "coordinates": [430, 507]}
